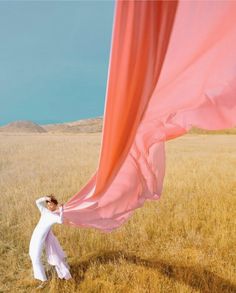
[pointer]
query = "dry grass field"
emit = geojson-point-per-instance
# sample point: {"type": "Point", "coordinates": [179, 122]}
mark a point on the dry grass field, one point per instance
{"type": "Point", "coordinates": [185, 242]}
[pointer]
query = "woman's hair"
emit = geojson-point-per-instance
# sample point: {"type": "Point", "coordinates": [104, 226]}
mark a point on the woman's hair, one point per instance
{"type": "Point", "coordinates": [52, 199]}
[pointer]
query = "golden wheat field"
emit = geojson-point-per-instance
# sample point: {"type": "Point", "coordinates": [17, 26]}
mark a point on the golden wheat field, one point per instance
{"type": "Point", "coordinates": [184, 242]}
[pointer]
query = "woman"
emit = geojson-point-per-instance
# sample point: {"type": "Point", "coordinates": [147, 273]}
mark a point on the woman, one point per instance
{"type": "Point", "coordinates": [43, 236]}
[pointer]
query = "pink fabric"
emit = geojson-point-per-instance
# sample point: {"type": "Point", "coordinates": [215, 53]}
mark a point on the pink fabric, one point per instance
{"type": "Point", "coordinates": [56, 256]}
{"type": "Point", "coordinates": [172, 66]}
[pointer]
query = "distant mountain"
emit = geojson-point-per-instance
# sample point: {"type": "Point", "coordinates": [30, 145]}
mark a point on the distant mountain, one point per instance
{"type": "Point", "coordinates": [22, 126]}
{"type": "Point", "coordinates": [195, 130]}
{"type": "Point", "coordinates": [85, 125]}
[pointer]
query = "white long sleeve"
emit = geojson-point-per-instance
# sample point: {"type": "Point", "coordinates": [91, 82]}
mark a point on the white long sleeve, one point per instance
{"type": "Point", "coordinates": [40, 202]}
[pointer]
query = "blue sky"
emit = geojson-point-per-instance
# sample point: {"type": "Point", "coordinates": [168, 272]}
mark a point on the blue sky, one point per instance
{"type": "Point", "coordinates": [54, 58]}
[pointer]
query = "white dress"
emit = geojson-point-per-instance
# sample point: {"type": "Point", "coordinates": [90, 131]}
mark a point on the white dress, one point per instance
{"type": "Point", "coordinates": [39, 235]}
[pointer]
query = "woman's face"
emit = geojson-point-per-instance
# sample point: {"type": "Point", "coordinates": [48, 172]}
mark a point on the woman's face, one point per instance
{"type": "Point", "coordinates": [51, 206]}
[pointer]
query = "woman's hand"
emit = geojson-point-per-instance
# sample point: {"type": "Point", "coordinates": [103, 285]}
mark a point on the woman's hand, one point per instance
{"type": "Point", "coordinates": [61, 205]}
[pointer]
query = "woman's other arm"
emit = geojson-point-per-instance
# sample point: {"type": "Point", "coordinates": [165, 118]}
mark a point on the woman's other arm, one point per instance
{"type": "Point", "coordinates": [60, 217]}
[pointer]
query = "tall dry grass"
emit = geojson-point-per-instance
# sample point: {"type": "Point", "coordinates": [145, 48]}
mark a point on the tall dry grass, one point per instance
{"type": "Point", "coordinates": [185, 242]}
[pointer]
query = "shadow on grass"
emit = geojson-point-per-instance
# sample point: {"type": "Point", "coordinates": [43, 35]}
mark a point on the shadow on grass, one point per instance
{"type": "Point", "coordinates": [196, 277]}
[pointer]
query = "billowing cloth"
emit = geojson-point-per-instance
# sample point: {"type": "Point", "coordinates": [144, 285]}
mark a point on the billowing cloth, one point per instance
{"type": "Point", "coordinates": [172, 66]}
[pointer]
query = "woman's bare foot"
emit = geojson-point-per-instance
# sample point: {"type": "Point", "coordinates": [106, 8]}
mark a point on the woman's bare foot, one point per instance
{"type": "Point", "coordinates": [42, 284]}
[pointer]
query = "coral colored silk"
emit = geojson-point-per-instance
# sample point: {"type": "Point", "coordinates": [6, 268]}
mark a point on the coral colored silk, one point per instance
{"type": "Point", "coordinates": [172, 66]}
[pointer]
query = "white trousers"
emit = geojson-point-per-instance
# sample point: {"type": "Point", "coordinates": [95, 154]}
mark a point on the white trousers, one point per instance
{"type": "Point", "coordinates": [38, 268]}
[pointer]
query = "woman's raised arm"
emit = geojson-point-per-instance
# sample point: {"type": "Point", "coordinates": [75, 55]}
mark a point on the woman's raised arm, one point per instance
{"type": "Point", "coordinates": [40, 202]}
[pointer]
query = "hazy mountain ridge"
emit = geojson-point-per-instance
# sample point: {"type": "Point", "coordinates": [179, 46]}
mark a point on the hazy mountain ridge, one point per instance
{"type": "Point", "coordinates": [23, 126]}
{"type": "Point", "coordinates": [84, 125]}
{"type": "Point", "coordinates": [89, 125]}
